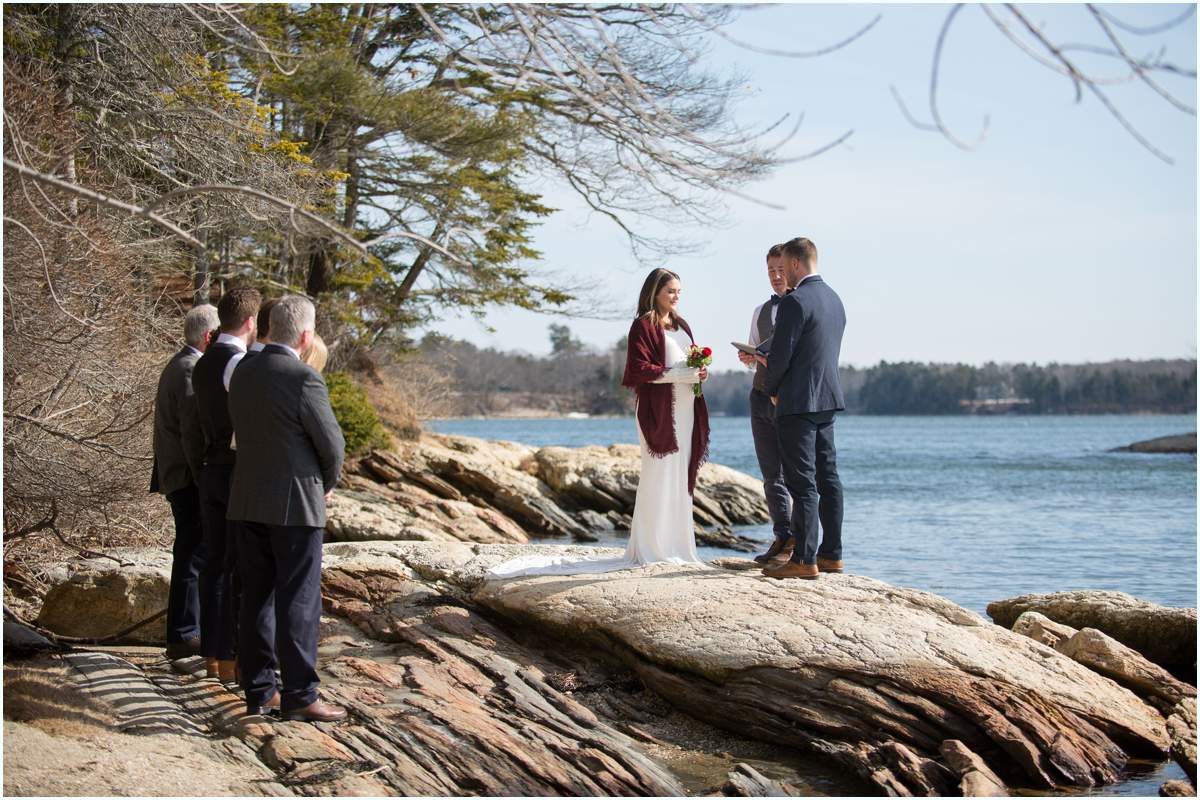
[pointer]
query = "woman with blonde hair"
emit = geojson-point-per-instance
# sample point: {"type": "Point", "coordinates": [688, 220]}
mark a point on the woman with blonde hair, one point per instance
{"type": "Point", "coordinates": [672, 424]}
{"type": "Point", "coordinates": [316, 354]}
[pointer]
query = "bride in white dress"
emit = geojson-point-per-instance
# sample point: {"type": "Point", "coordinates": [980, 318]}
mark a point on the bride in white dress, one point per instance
{"type": "Point", "coordinates": [672, 428]}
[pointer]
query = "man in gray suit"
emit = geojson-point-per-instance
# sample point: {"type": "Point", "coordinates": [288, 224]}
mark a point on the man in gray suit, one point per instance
{"type": "Point", "coordinates": [178, 457]}
{"type": "Point", "coordinates": [802, 380]}
{"type": "Point", "coordinates": [290, 453]}
{"type": "Point", "coordinates": [762, 414]}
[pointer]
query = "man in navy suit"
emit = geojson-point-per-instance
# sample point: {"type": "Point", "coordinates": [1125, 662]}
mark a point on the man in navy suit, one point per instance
{"type": "Point", "coordinates": [802, 380]}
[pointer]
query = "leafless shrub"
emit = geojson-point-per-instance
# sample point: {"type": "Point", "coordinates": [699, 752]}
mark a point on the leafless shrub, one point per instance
{"type": "Point", "coordinates": [129, 169]}
{"type": "Point", "coordinates": [83, 344]}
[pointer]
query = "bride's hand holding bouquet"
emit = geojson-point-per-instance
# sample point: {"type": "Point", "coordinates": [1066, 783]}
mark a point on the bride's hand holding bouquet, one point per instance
{"type": "Point", "coordinates": [699, 357]}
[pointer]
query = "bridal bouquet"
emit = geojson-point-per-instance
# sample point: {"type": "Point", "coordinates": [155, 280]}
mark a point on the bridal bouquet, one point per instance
{"type": "Point", "coordinates": [699, 357]}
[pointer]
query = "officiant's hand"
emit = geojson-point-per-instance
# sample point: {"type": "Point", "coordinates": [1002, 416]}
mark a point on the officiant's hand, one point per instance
{"type": "Point", "coordinates": [761, 359]}
{"type": "Point", "coordinates": [746, 359]}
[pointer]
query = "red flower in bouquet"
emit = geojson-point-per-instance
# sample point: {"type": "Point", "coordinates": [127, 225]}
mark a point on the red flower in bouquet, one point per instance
{"type": "Point", "coordinates": [699, 357]}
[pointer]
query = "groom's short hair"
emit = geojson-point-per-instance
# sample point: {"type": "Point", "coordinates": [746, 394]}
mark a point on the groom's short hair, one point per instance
{"type": "Point", "coordinates": [802, 249]}
{"type": "Point", "coordinates": [776, 251]}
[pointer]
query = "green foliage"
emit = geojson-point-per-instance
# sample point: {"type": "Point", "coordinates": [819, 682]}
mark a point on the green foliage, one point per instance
{"type": "Point", "coordinates": [360, 422]}
{"type": "Point", "coordinates": [414, 149]}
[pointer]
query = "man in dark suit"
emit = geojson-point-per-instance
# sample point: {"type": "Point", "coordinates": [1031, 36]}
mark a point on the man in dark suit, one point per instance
{"type": "Point", "coordinates": [802, 380]}
{"type": "Point", "coordinates": [237, 311]}
{"type": "Point", "coordinates": [290, 453]}
{"type": "Point", "coordinates": [178, 456]}
{"type": "Point", "coordinates": [762, 414]}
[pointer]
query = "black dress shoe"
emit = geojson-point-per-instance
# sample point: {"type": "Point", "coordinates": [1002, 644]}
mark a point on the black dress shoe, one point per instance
{"type": "Point", "coordinates": [777, 547]}
{"type": "Point", "coordinates": [184, 649]}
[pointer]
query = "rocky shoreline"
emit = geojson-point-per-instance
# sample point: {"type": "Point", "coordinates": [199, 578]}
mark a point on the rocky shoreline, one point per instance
{"type": "Point", "coordinates": [454, 488]}
{"type": "Point", "coordinates": [563, 685]}
{"type": "Point", "coordinates": [665, 680]}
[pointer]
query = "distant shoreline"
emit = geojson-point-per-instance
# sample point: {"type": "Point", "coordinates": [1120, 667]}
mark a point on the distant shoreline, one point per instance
{"type": "Point", "coordinates": [579, 416]}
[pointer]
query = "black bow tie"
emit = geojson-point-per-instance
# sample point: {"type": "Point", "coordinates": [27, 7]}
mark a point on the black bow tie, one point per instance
{"type": "Point", "coordinates": [774, 301]}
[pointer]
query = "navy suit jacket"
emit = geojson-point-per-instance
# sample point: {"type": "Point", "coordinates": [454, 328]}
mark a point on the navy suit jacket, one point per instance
{"type": "Point", "coordinates": [802, 367]}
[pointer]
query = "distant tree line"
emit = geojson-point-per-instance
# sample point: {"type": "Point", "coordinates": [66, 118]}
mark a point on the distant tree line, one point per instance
{"type": "Point", "coordinates": [572, 378]}
{"type": "Point", "coordinates": [578, 378]}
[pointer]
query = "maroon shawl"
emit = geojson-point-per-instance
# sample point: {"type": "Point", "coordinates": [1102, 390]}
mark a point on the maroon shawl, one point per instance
{"type": "Point", "coordinates": [645, 361]}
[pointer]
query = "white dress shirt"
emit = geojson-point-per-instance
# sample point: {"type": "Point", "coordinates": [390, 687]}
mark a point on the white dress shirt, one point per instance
{"type": "Point", "coordinates": [226, 338]}
{"type": "Point", "coordinates": [753, 341]}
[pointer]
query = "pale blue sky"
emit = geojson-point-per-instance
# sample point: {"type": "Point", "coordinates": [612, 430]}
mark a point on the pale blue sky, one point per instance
{"type": "Point", "coordinates": [1058, 239]}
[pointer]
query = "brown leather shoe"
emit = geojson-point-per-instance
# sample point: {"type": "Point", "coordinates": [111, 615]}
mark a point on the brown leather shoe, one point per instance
{"type": "Point", "coordinates": [227, 671]}
{"type": "Point", "coordinates": [265, 708]}
{"type": "Point", "coordinates": [790, 569]}
{"type": "Point", "coordinates": [777, 550]}
{"type": "Point", "coordinates": [829, 564]}
{"type": "Point", "coordinates": [210, 668]}
{"type": "Point", "coordinates": [318, 711]}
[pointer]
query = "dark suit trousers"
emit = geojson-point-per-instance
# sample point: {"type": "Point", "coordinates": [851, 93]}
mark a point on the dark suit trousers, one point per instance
{"type": "Point", "coordinates": [766, 447]}
{"type": "Point", "coordinates": [281, 612]}
{"type": "Point", "coordinates": [219, 582]}
{"type": "Point", "coordinates": [187, 561]}
{"type": "Point", "coordinates": [810, 470]}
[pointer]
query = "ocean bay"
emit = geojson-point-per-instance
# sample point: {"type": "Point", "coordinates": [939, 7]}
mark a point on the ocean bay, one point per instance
{"type": "Point", "coordinates": [974, 508]}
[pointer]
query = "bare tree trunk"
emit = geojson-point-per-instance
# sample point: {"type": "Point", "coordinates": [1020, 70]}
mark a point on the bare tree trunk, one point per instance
{"type": "Point", "coordinates": [418, 266]}
{"type": "Point", "coordinates": [202, 279]}
{"type": "Point", "coordinates": [355, 172]}
{"type": "Point", "coordinates": [67, 20]}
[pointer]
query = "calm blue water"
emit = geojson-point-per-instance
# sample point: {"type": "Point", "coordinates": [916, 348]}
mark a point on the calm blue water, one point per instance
{"type": "Point", "coordinates": [977, 508]}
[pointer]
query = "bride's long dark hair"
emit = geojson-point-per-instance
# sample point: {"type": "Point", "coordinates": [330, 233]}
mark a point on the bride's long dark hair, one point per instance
{"type": "Point", "coordinates": [655, 281]}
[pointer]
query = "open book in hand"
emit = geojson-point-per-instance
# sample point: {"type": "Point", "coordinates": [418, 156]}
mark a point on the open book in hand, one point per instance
{"type": "Point", "coordinates": [750, 350]}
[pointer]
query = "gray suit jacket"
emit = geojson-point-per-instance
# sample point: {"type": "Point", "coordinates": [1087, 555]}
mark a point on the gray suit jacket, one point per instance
{"type": "Point", "coordinates": [289, 445]}
{"type": "Point", "coordinates": [802, 367]}
{"type": "Point", "coordinates": [178, 440]}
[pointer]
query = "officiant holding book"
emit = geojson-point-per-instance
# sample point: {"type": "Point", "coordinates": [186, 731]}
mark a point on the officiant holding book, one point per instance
{"type": "Point", "coordinates": [762, 414]}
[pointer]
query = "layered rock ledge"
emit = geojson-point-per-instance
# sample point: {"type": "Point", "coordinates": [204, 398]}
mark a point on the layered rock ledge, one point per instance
{"type": "Point", "coordinates": [454, 488]}
{"type": "Point", "coordinates": [905, 690]}
{"type": "Point", "coordinates": [1165, 635]}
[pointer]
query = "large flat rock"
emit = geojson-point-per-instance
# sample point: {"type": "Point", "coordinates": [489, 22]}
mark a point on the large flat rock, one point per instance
{"type": "Point", "coordinates": [874, 675]}
{"type": "Point", "coordinates": [101, 597]}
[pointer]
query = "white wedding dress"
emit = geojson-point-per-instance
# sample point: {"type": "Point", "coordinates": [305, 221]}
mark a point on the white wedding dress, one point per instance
{"type": "Point", "coordinates": [661, 531]}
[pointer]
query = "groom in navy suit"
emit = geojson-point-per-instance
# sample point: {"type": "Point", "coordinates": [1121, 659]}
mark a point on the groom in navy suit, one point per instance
{"type": "Point", "coordinates": [802, 380]}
